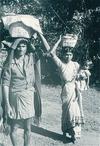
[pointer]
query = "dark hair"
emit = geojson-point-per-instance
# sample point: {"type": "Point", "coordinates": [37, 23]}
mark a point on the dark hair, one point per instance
{"type": "Point", "coordinates": [27, 43]}
{"type": "Point", "coordinates": [66, 50]}
{"type": "Point", "coordinates": [23, 42]}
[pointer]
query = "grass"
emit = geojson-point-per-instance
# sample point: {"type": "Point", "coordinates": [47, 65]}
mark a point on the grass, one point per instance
{"type": "Point", "coordinates": [52, 103]}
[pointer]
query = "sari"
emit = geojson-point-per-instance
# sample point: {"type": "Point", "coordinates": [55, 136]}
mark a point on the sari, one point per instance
{"type": "Point", "coordinates": [71, 118]}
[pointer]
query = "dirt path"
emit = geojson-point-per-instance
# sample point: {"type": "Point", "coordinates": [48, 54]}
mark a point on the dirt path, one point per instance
{"type": "Point", "coordinates": [42, 137]}
{"type": "Point", "coordinates": [49, 132]}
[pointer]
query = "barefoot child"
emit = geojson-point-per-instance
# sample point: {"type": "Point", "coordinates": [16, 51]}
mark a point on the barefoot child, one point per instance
{"type": "Point", "coordinates": [84, 76]}
{"type": "Point", "coordinates": [82, 84]}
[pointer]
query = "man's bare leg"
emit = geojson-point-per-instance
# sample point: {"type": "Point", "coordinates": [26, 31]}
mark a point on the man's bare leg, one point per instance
{"type": "Point", "coordinates": [27, 132]}
{"type": "Point", "coordinates": [13, 134]}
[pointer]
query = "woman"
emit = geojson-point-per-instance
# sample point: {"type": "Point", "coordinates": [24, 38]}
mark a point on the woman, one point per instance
{"type": "Point", "coordinates": [71, 119]}
{"type": "Point", "coordinates": [68, 70]}
{"type": "Point", "coordinates": [18, 90]}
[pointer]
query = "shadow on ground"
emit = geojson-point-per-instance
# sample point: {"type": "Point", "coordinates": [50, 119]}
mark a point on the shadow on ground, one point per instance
{"type": "Point", "coordinates": [50, 134]}
{"type": "Point", "coordinates": [1, 144]}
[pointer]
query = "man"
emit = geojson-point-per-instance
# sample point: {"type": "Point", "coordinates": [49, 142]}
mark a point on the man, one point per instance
{"type": "Point", "coordinates": [18, 82]}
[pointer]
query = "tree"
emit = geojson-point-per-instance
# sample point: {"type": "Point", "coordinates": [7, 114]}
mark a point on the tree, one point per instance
{"type": "Point", "coordinates": [81, 17]}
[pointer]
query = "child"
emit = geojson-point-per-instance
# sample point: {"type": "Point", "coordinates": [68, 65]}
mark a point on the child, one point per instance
{"type": "Point", "coordinates": [84, 77]}
{"type": "Point", "coordinates": [82, 84]}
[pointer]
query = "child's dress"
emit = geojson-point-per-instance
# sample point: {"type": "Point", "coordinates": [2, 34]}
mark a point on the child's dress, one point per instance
{"type": "Point", "coordinates": [83, 78]}
{"type": "Point", "coordinates": [82, 84]}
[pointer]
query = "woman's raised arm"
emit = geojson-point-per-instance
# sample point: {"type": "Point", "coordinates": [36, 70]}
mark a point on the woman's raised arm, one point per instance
{"type": "Point", "coordinates": [53, 50]}
{"type": "Point", "coordinates": [47, 47]}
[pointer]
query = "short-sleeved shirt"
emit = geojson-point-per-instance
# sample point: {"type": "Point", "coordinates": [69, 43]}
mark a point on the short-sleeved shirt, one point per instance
{"type": "Point", "coordinates": [20, 79]}
{"type": "Point", "coordinates": [21, 73]}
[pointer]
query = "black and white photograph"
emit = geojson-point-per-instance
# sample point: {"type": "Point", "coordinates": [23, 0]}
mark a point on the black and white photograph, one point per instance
{"type": "Point", "coordinates": [49, 73]}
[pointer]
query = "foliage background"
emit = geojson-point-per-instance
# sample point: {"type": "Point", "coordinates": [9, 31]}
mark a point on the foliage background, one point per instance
{"type": "Point", "coordinates": [57, 17]}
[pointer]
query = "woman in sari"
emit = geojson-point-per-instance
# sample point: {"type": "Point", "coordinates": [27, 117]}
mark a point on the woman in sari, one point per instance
{"type": "Point", "coordinates": [68, 69]}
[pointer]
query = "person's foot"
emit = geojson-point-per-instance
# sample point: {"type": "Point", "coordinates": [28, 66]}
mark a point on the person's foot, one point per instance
{"type": "Point", "coordinates": [36, 121]}
{"type": "Point", "coordinates": [78, 135]}
{"type": "Point", "coordinates": [73, 139]}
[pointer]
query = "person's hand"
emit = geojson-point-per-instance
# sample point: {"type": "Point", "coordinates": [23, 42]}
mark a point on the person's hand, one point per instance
{"type": "Point", "coordinates": [32, 47]}
{"type": "Point", "coordinates": [39, 34]}
{"type": "Point", "coordinates": [47, 54]}
{"type": "Point", "coordinates": [9, 111]}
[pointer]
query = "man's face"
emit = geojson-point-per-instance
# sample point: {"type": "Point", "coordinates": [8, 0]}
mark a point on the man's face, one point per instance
{"type": "Point", "coordinates": [67, 57]}
{"type": "Point", "coordinates": [21, 49]}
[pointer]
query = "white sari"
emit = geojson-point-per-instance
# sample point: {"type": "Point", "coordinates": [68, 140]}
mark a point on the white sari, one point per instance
{"type": "Point", "coordinates": [71, 122]}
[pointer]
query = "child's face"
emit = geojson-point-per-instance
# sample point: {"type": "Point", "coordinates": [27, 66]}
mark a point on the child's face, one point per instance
{"type": "Point", "coordinates": [86, 67]}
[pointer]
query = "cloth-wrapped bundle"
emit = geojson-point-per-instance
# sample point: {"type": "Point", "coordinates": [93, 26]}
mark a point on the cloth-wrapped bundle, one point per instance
{"type": "Point", "coordinates": [21, 25]}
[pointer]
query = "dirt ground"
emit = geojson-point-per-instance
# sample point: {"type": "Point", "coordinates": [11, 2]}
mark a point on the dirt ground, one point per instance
{"type": "Point", "coordinates": [49, 132]}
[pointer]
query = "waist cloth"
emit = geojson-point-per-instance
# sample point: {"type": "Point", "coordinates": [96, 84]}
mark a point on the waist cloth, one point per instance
{"type": "Point", "coordinates": [22, 103]}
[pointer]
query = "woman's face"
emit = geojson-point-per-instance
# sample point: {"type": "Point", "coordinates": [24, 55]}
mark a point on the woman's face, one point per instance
{"type": "Point", "coordinates": [67, 57]}
{"type": "Point", "coordinates": [21, 49]}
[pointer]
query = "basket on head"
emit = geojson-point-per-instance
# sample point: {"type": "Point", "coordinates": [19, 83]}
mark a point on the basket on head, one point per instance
{"type": "Point", "coordinates": [69, 40]}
